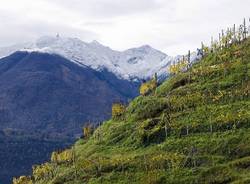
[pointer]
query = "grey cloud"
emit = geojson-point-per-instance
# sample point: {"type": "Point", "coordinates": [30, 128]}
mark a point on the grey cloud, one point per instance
{"type": "Point", "coordinates": [99, 23]}
{"type": "Point", "coordinates": [109, 8]}
{"type": "Point", "coordinates": [21, 30]}
{"type": "Point", "coordinates": [170, 25]}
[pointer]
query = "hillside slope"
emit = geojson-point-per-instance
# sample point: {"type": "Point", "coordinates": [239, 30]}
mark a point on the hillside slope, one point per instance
{"type": "Point", "coordinates": [195, 128]}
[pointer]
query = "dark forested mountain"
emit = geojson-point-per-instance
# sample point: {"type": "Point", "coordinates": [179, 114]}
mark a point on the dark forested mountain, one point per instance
{"type": "Point", "coordinates": [46, 98]}
{"type": "Point", "coordinates": [53, 95]}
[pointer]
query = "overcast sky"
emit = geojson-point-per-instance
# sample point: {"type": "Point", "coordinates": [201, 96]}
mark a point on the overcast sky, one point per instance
{"type": "Point", "coordinates": [173, 26]}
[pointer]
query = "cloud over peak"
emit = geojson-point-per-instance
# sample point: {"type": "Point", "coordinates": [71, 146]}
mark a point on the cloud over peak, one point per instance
{"type": "Point", "coordinates": [173, 26]}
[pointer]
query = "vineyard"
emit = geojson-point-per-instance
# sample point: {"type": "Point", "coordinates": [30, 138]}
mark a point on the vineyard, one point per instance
{"type": "Point", "coordinates": [194, 128]}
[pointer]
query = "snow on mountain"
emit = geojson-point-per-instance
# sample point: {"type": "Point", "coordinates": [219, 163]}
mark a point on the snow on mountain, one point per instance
{"type": "Point", "coordinates": [141, 62]}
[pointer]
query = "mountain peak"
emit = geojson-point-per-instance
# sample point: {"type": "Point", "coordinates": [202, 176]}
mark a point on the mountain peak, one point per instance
{"type": "Point", "coordinates": [145, 47]}
{"type": "Point", "coordinates": [95, 42]}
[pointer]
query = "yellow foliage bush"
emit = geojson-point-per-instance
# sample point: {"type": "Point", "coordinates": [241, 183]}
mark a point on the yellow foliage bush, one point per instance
{"type": "Point", "coordinates": [178, 67]}
{"type": "Point", "coordinates": [118, 109]}
{"type": "Point", "coordinates": [87, 131]}
{"type": "Point", "coordinates": [42, 171]}
{"type": "Point", "coordinates": [148, 87]}
{"type": "Point", "coordinates": [62, 157]}
{"type": "Point", "coordinates": [22, 180]}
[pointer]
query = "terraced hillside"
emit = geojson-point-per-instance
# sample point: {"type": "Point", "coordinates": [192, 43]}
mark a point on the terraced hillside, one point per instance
{"type": "Point", "coordinates": [193, 129]}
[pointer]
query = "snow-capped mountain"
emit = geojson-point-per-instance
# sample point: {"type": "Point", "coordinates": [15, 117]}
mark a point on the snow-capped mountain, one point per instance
{"type": "Point", "coordinates": [141, 62]}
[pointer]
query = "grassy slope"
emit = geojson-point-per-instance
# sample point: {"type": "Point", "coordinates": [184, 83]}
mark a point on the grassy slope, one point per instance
{"type": "Point", "coordinates": [208, 137]}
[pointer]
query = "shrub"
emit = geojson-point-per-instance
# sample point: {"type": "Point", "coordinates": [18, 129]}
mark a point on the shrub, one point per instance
{"type": "Point", "coordinates": [22, 180]}
{"type": "Point", "coordinates": [146, 107]}
{"type": "Point", "coordinates": [87, 131]}
{"type": "Point", "coordinates": [43, 171]}
{"type": "Point", "coordinates": [151, 131]}
{"type": "Point", "coordinates": [65, 156]}
{"type": "Point", "coordinates": [148, 87]}
{"type": "Point", "coordinates": [117, 110]}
